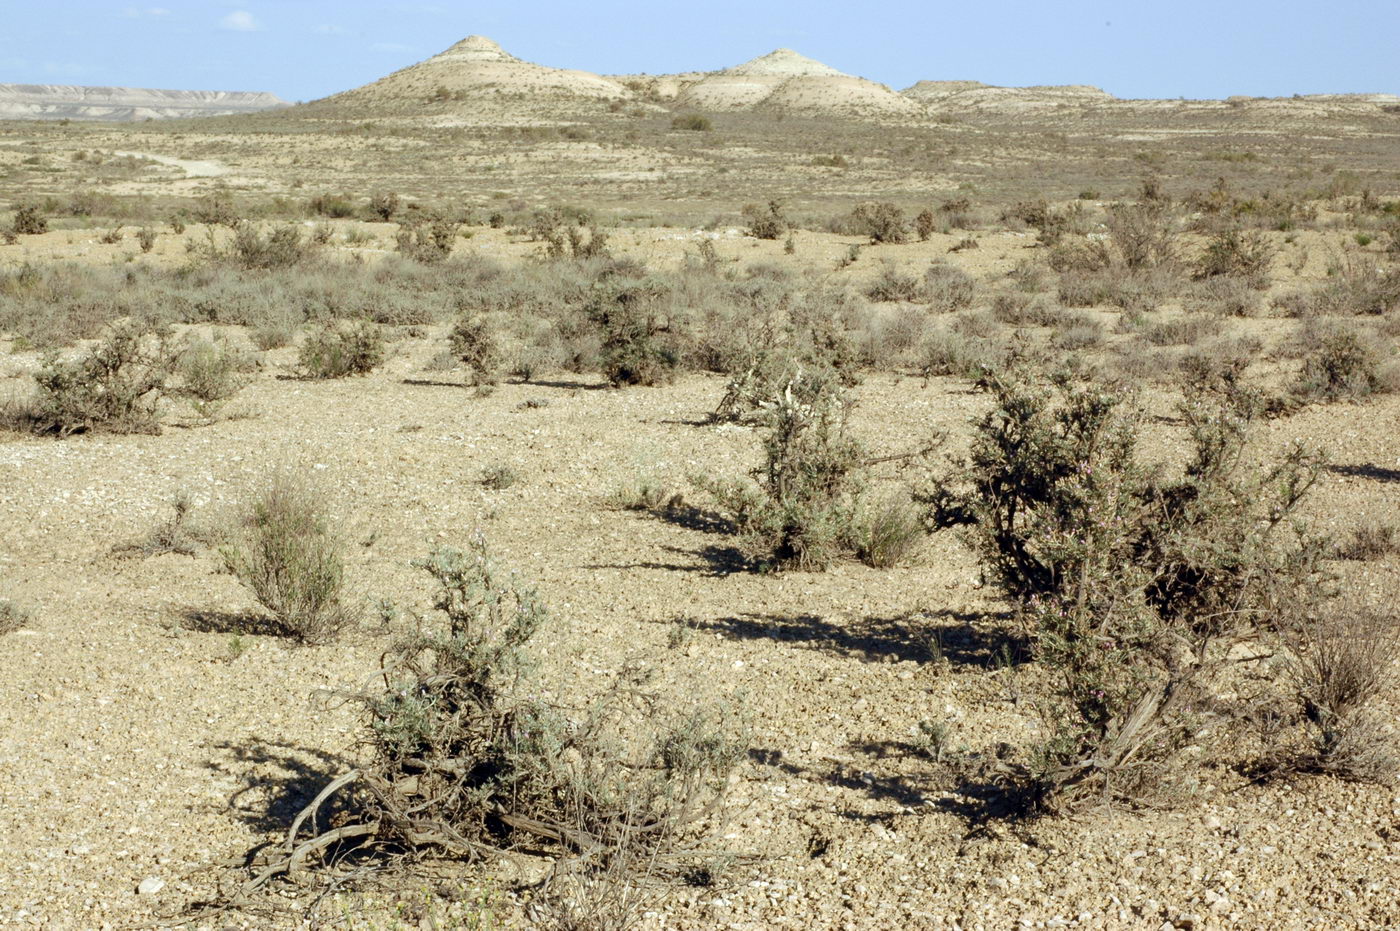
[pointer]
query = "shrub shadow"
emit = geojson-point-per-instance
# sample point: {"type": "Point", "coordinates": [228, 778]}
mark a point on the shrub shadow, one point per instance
{"type": "Point", "coordinates": [1373, 472]}
{"type": "Point", "coordinates": [959, 638]}
{"type": "Point", "coordinates": [275, 780]}
{"type": "Point", "coordinates": [231, 622]}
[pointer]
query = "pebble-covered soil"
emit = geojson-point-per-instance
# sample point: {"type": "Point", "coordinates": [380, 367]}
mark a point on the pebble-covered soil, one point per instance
{"type": "Point", "coordinates": [150, 738]}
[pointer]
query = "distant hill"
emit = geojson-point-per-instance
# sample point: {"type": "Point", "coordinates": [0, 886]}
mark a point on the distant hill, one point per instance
{"type": "Point", "coordinates": [474, 81]}
{"type": "Point", "coordinates": [785, 82]}
{"type": "Point", "coordinates": [124, 104]}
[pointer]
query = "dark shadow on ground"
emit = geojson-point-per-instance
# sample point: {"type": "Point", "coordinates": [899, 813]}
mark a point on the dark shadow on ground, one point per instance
{"type": "Point", "coordinates": [958, 638]}
{"type": "Point", "coordinates": [712, 561]}
{"type": "Point", "coordinates": [275, 780]}
{"type": "Point", "coordinates": [231, 622]}
{"type": "Point", "coordinates": [1373, 472]}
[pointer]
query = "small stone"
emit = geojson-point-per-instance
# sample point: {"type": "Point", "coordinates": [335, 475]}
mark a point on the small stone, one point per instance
{"type": "Point", "coordinates": [151, 885]}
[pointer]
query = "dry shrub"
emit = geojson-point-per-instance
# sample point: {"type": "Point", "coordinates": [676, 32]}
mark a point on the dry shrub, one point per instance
{"type": "Point", "coordinates": [948, 288]}
{"type": "Point", "coordinates": [893, 285]}
{"type": "Point", "coordinates": [887, 531]}
{"type": "Point", "coordinates": [1338, 365]}
{"type": "Point", "coordinates": [1340, 663]}
{"type": "Point", "coordinates": [29, 220]}
{"type": "Point", "coordinates": [1241, 254]}
{"type": "Point", "coordinates": [800, 510]}
{"type": "Point", "coordinates": [1355, 286]}
{"type": "Point", "coordinates": [476, 344]}
{"type": "Point", "coordinates": [467, 760]}
{"type": "Point", "coordinates": [340, 350]}
{"type": "Point", "coordinates": [13, 617]}
{"type": "Point", "coordinates": [766, 221]}
{"type": "Point", "coordinates": [882, 221]}
{"type": "Point", "coordinates": [115, 388]}
{"type": "Point", "coordinates": [210, 371]}
{"type": "Point", "coordinates": [1135, 585]}
{"type": "Point", "coordinates": [426, 239]}
{"type": "Point", "coordinates": [1370, 541]}
{"type": "Point", "coordinates": [1224, 295]}
{"type": "Point", "coordinates": [285, 552]}
{"type": "Point", "coordinates": [282, 247]}
{"type": "Point", "coordinates": [1182, 331]}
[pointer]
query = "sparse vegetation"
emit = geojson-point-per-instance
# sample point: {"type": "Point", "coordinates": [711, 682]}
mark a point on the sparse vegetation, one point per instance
{"type": "Point", "coordinates": [341, 350]}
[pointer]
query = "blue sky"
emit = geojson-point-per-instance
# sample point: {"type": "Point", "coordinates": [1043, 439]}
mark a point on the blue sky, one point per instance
{"type": "Point", "coordinates": [304, 49]}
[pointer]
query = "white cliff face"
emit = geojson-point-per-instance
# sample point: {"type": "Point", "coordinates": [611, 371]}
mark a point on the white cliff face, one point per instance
{"type": "Point", "coordinates": [124, 104]}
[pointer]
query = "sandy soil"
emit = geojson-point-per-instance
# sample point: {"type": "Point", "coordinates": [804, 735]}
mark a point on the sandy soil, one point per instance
{"type": "Point", "coordinates": [145, 741]}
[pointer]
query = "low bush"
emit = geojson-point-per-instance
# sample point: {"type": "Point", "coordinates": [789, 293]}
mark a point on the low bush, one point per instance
{"type": "Point", "coordinates": [427, 239]}
{"type": "Point", "coordinates": [1135, 585]}
{"type": "Point", "coordinates": [692, 122]}
{"type": "Point", "coordinates": [384, 205]}
{"type": "Point", "coordinates": [281, 247]}
{"type": "Point", "coordinates": [1370, 541]}
{"type": "Point", "coordinates": [342, 349]}
{"type": "Point", "coordinates": [766, 221]}
{"type": "Point", "coordinates": [882, 221]}
{"type": "Point", "coordinates": [467, 759]}
{"type": "Point", "coordinates": [1340, 365]}
{"type": "Point", "coordinates": [476, 345]}
{"type": "Point", "coordinates": [948, 288]}
{"type": "Point", "coordinates": [115, 388]}
{"type": "Point", "coordinates": [286, 553]}
{"type": "Point", "coordinates": [894, 285]}
{"type": "Point", "coordinates": [29, 220]}
{"type": "Point", "coordinates": [1241, 254]}
{"type": "Point", "coordinates": [13, 617]}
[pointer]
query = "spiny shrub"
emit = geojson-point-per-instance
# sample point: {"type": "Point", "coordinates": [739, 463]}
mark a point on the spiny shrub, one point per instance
{"type": "Point", "coordinates": [476, 344]}
{"type": "Point", "coordinates": [146, 238]}
{"type": "Point", "coordinates": [766, 221]}
{"type": "Point", "coordinates": [286, 553]}
{"type": "Point", "coordinates": [893, 285]}
{"type": "Point", "coordinates": [1134, 584]}
{"type": "Point", "coordinates": [1341, 365]}
{"type": "Point", "coordinates": [342, 349]}
{"type": "Point", "coordinates": [468, 760]}
{"type": "Point", "coordinates": [925, 224]}
{"type": "Point", "coordinates": [882, 221]}
{"type": "Point", "coordinates": [948, 288]}
{"type": "Point", "coordinates": [29, 220]}
{"type": "Point", "coordinates": [1243, 254]}
{"type": "Point", "coordinates": [800, 512]}
{"type": "Point", "coordinates": [115, 388]}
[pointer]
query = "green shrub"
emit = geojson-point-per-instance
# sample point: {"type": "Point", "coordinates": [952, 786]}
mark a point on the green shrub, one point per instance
{"type": "Point", "coordinates": [887, 531]}
{"type": "Point", "coordinates": [287, 555]}
{"type": "Point", "coordinates": [340, 350]}
{"type": "Point", "coordinates": [635, 348]}
{"type": "Point", "coordinates": [210, 371]}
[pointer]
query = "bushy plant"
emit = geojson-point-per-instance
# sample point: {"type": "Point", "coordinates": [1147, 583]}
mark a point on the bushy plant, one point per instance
{"type": "Point", "coordinates": [801, 510]}
{"type": "Point", "coordinates": [427, 239]}
{"type": "Point", "coordinates": [882, 221]}
{"type": "Point", "coordinates": [384, 205]}
{"type": "Point", "coordinates": [282, 247]}
{"type": "Point", "coordinates": [477, 345]}
{"type": "Point", "coordinates": [146, 238]}
{"type": "Point", "coordinates": [116, 387]}
{"type": "Point", "coordinates": [1238, 253]}
{"type": "Point", "coordinates": [13, 617]}
{"type": "Point", "coordinates": [468, 760]}
{"type": "Point", "coordinates": [29, 220]}
{"type": "Point", "coordinates": [286, 553]}
{"type": "Point", "coordinates": [635, 348]}
{"type": "Point", "coordinates": [766, 221]}
{"type": "Point", "coordinates": [1134, 584]}
{"type": "Point", "coordinates": [1340, 365]}
{"type": "Point", "coordinates": [692, 122]}
{"type": "Point", "coordinates": [210, 371]}
{"type": "Point", "coordinates": [342, 349]}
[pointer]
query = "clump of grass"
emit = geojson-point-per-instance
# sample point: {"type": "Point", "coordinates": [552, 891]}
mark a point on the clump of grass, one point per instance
{"type": "Point", "coordinates": [175, 535]}
{"type": "Point", "coordinates": [644, 493]}
{"type": "Point", "coordinates": [1340, 663]}
{"type": "Point", "coordinates": [286, 553]}
{"type": "Point", "coordinates": [948, 288]}
{"type": "Point", "coordinates": [499, 476]}
{"type": "Point", "coordinates": [340, 350]}
{"type": "Point", "coordinates": [887, 531]}
{"type": "Point", "coordinates": [13, 617]}
{"type": "Point", "coordinates": [210, 371]}
{"type": "Point", "coordinates": [1370, 541]}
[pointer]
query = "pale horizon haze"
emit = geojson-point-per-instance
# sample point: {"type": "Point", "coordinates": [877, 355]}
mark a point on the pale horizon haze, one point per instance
{"type": "Point", "coordinates": [306, 49]}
